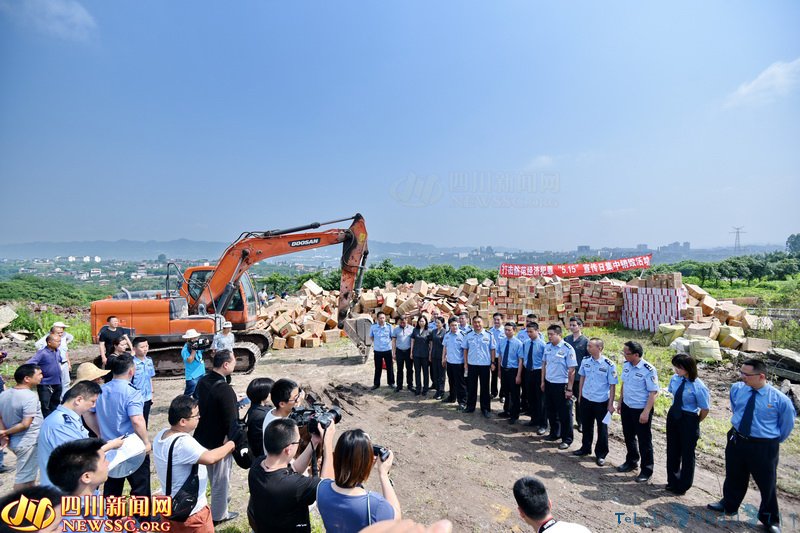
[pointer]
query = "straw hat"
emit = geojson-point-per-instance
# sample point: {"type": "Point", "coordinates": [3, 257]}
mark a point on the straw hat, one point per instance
{"type": "Point", "coordinates": [90, 372]}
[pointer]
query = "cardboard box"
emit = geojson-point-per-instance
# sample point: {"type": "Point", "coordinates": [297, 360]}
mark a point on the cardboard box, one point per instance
{"type": "Point", "coordinates": [331, 335]}
{"type": "Point", "coordinates": [294, 342]}
{"type": "Point", "coordinates": [289, 330]}
{"type": "Point", "coordinates": [312, 287]}
{"type": "Point", "coordinates": [421, 288]}
{"type": "Point", "coordinates": [696, 292]}
{"type": "Point", "coordinates": [752, 344]}
{"type": "Point", "coordinates": [313, 342]}
{"type": "Point", "coordinates": [708, 304]}
{"type": "Point", "coordinates": [278, 343]}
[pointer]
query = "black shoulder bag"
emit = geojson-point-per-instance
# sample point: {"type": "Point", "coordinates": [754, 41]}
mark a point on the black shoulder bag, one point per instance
{"type": "Point", "coordinates": [186, 499]}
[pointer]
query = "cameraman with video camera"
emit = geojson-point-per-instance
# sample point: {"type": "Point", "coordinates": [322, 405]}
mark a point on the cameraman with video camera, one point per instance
{"type": "Point", "coordinates": [344, 504]}
{"type": "Point", "coordinates": [279, 492]}
{"type": "Point", "coordinates": [192, 355]}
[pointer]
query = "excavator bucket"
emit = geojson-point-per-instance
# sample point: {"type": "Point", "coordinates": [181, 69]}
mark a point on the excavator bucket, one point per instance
{"type": "Point", "coordinates": [357, 329]}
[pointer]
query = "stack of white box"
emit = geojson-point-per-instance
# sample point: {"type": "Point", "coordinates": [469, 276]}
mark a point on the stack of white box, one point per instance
{"type": "Point", "coordinates": [645, 309]}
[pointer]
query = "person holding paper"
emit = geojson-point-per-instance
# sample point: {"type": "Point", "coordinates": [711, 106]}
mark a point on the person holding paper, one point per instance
{"type": "Point", "coordinates": [598, 383]}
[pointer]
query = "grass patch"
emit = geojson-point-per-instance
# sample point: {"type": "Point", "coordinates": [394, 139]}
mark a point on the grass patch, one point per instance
{"type": "Point", "coordinates": [40, 323]}
{"type": "Point", "coordinates": [713, 432]}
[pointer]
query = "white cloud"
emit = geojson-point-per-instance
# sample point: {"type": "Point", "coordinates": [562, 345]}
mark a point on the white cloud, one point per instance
{"type": "Point", "coordinates": [778, 79]}
{"type": "Point", "coordinates": [66, 19]}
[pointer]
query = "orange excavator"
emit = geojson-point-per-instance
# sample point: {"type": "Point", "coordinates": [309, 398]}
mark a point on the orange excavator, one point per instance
{"type": "Point", "coordinates": [206, 296]}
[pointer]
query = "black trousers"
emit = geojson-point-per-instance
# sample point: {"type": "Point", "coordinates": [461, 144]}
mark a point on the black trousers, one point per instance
{"type": "Point", "coordinates": [634, 432]}
{"type": "Point", "coordinates": [404, 361]}
{"type": "Point", "coordinates": [421, 373]}
{"type": "Point", "coordinates": [139, 482]}
{"type": "Point", "coordinates": [458, 385]}
{"type": "Point", "coordinates": [594, 412]}
{"type": "Point", "coordinates": [380, 358]}
{"type": "Point", "coordinates": [536, 403]}
{"type": "Point", "coordinates": [475, 374]}
{"type": "Point", "coordinates": [495, 375]}
{"type": "Point", "coordinates": [512, 391]}
{"type": "Point", "coordinates": [559, 411]}
{"type": "Point", "coordinates": [146, 411]}
{"type": "Point", "coordinates": [682, 435]}
{"type": "Point", "coordinates": [437, 374]}
{"type": "Point", "coordinates": [49, 397]}
{"type": "Point", "coordinates": [759, 458]}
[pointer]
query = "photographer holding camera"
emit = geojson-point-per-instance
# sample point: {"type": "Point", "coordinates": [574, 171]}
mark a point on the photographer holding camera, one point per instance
{"type": "Point", "coordinates": [192, 355]}
{"type": "Point", "coordinates": [344, 504]}
{"type": "Point", "coordinates": [279, 492]}
{"type": "Point", "coordinates": [285, 396]}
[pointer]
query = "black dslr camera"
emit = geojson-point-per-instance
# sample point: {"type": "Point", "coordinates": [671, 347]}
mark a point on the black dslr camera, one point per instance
{"type": "Point", "coordinates": [317, 417]}
{"type": "Point", "coordinates": [200, 343]}
{"type": "Point", "coordinates": [380, 451]}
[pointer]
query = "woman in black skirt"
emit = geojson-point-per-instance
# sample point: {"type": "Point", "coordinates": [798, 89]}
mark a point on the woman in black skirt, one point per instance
{"type": "Point", "coordinates": [437, 370]}
{"type": "Point", "coordinates": [421, 354]}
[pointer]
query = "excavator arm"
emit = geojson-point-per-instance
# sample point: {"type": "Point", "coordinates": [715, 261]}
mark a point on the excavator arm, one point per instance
{"type": "Point", "coordinates": [252, 247]}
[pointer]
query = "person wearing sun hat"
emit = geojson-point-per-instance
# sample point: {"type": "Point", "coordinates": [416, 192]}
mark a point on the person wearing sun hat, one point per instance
{"type": "Point", "coordinates": [193, 359]}
{"type": "Point", "coordinates": [91, 372]}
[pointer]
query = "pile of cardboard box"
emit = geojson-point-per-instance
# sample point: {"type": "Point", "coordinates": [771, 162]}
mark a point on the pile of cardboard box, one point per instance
{"type": "Point", "coordinates": [305, 320]}
{"type": "Point", "coordinates": [654, 300]}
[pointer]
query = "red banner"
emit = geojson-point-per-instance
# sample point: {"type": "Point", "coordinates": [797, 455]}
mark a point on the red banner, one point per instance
{"type": "Point", "coordinates": [598, 268]}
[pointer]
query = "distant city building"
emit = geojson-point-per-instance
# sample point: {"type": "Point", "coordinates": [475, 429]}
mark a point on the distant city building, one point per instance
{"type": "Point", "coordinates": [641, 247]}
{"type": "Point", "coordinates": [97, 259]}
{"type": "Point", "coordinates": [584, 249]}
{"type": "Point", "coordinates": [674, 247]}
{"type": "Point", "coordinates": [71, 259]}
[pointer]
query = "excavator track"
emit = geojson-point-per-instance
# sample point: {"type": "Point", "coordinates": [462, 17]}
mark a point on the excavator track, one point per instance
{"type": "Point", "coordinates": [169, 363]}
{"type": "Point", "coordinates": [260, 337]}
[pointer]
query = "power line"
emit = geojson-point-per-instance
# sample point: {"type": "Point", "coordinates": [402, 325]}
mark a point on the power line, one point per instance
{"type": "Point", "coordinates": [737, 245]}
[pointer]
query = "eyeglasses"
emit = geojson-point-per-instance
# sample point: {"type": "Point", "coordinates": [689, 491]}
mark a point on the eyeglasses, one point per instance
{"type": "Point", "coordinates": [194, 416]}
{"type": "Point", "coordinates": [296, 442]}
{"type": "Point", "coordinates": [750, 375]}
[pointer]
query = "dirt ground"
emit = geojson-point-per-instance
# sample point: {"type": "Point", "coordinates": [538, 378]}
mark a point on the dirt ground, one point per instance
{"type": "Point", "coordinates": [462, 466]}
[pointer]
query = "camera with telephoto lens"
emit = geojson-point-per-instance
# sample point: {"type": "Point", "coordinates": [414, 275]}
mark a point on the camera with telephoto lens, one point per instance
{"type": "Point", "coordinates": [200, 343]}
{"type": "Point", "coordinates": [317, 417]}
{"type": "Point", "coordinates": [380, 451]}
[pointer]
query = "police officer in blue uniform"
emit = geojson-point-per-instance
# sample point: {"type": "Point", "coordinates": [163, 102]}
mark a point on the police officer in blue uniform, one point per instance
{"type": "Point", "coordinates": [558, 376]}
{"type": "Point", "coordinates": [401, 352]}
{"type": "Point", "coordinates": [598, 381]}
{"type": "Point", "coordinates": [690, 405]}
{"type": "Point", "coordinates": [120, 411]}
{"type": "Point", "coordinates": [381, 335]}
{"type": "Point", "coordinates": [498, 332]}
{"type": "Point", "coordinates": [65, 424]}
{"type": "Point", "coordinates": [638, 396]}
{"type": "Point", "coordinates": [763, 417]}
{"type": "Point", "coordinates": [463, 324]}
{"type": "Point", "coordinates": [533, 350]}
{"type": "Point", "coordinates": [509, 351]}
{"type": "Point", "coordinates": [453, 359]}
{"type": "Point", "coordinates": [479, 359]}
{"type": "Point", "coordinates": [145, 372]}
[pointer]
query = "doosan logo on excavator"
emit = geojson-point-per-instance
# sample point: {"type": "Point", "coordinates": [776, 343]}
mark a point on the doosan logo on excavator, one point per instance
{"type": "Point", "coordinates": [304, 242]}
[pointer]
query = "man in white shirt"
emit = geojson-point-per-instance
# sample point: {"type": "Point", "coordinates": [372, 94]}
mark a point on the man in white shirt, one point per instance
{"type": "Point", "coordinates": [285, 396]}
{"type": "Point", "coordinates": [225, 339]}
{"type": "Point", "coordinates": [183, 416]}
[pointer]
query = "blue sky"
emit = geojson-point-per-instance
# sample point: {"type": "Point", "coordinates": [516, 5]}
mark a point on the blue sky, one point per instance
{"type": "Point", "coordinates": [529, 124]}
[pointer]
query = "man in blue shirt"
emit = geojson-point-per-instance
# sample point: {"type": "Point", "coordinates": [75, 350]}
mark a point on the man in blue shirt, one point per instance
{"type": "Point", "coordinates": [638, 396]}
{"type": "Point", "coordinates": [596, 388]}
{"type": "Point", "coordinates": [533, 351]}
{"type": "Point", "coordinates": [479, 359]}
{"type": "Point", "coordinates": [65, 424]}
{"type": "Point", "coordinates": [118, 412]}
{"type": "Point", "coordinates": [558, 375]}
{"type": "Point", "coordinates": [530, 318]}
{"type": "Point", "coordinates": [453, 359]}
{"type": "Point", "coordinates": [49, 360]}
{"type": "Point", "coordinates": [145, 372]}
{"type": "Point", "coordinates": [463, 324]}
{"type": "Point", "coordinates": [763, 417]}
{"type": "Point", "coordinates": [498, 333]}
{"type": "Point", "coordinates": [509, 350]}
{"type": "Point", "coordinates": [193, 359]}
{"type": "Point", "coordinates": [381, 335]}
{"type": "Point", "coordinates": [401, 352]}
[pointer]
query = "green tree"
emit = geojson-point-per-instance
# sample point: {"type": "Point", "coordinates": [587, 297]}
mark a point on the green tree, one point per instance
{"type": "Point", "coordinates": [786, 268]}
{"type": "Point", "coordinates": [707, 272]}
{"type": "Point", "coordinates": [793, 243]}
{"type": "Point", "coordinates": [162, 258]}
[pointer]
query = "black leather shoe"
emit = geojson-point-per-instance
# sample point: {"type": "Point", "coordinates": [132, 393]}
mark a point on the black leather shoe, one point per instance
{"type": "Point", "coordinates": [374, 387]}
{"type": "Point", "coordinates": [563, 446]}
{"type": "Point", "coordinates": [504, 415]}
{"type": "Point", "coordinates": [512, 421]}
{"type": "Point", "coordinates": [642, 478]}
{"type": "Point", "coordinates": [552, 438]}
{"type": "Point", "coordinates": [626, 467]}
{"type": "Point", "coordinates": [773, 528]}
{"type": "Point", "coordinates": [541, 431]}
{"type": "Point", "coordinates": [532, 424]}
{"type": "Point", "coordinates": [231, 516]}
{"type": "Point", "coordinates": [486, 414]}
{"type": "Point", "coordinates": [469, 410]}
{"type": "Point", "coordinates": [601, 461]}
{"type": "Point", "coordinates": [580, 453]}
{"type": "Point", "coordinates": [719, 507]}
{"type": "Point", "coordinates": [398, 389]}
